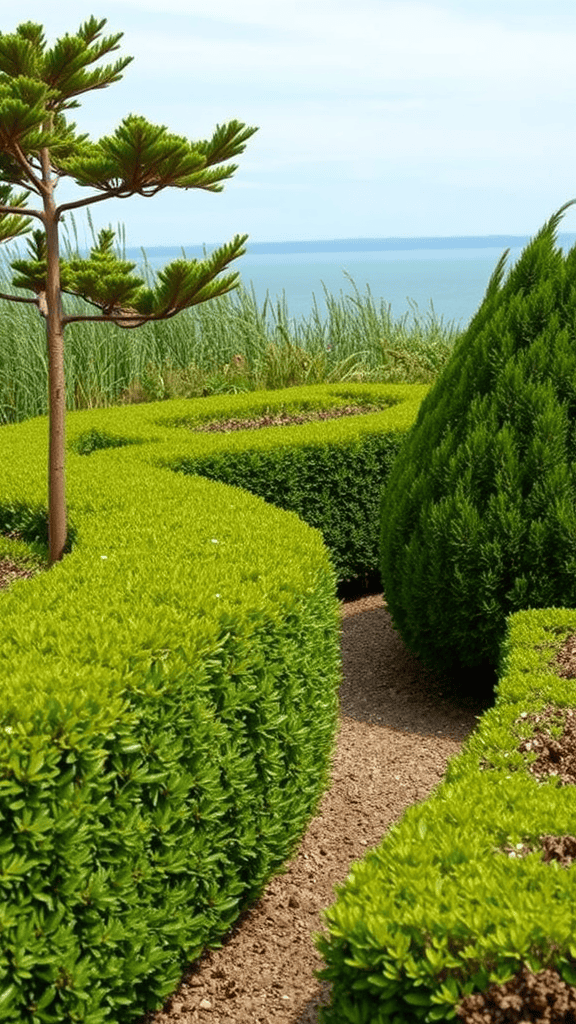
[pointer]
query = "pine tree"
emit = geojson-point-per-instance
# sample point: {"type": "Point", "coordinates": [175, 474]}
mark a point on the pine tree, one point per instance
{"type": "Point", "coordinates": [38, 147]}
{"type": "Point", "coordinates": [478, 516]}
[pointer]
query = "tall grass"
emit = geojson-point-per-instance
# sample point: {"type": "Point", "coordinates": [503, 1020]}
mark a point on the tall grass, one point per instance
{"type": "Point", "coordinates": [228, 344]}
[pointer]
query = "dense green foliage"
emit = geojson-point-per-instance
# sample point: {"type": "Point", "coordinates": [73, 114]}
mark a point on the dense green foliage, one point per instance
{"type": "Point", "coordinates": [330, 472]}
{"type": "Point", "coordinates": [332, 486]}
{"type": "Point", "coordinates": [167, 715]}
{"type": "Point", "coordinates": [479, 513]}
{"type": "Point", "coordinates": [440, 909]}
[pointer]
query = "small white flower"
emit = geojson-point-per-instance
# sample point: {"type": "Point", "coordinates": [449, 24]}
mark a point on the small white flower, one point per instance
{"type": "Point", "coordinates": [216, 595]}
{"type": "Point", "coordinates": [104, 556]}
{"type": "Point", "coordinates": [8, 728]}
{"type": "Point", "coordinates": [214, 541]}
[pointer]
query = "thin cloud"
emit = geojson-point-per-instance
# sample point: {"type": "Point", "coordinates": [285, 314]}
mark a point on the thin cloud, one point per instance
{"type": "Point", "coordinates": [469, 105]}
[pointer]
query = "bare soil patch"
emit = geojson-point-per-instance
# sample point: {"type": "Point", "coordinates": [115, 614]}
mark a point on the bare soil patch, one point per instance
{"type": "Point", "coordinates": [285, 419]}
{"type": "Point", "coordinates": [10, 572]}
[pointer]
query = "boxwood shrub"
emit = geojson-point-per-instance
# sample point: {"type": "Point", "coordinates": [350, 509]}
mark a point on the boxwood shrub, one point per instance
{"type": "Point", "coordinates": [329, 472]}
{"type": "Point", "coordinates": [169, 694]}
{"type": "Point", "coordinates": [445, 906]}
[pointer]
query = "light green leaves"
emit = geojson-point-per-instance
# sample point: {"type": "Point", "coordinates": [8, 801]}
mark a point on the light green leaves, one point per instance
{"type": "Point", "coordinates": [182, 769]}
{"type": "Point", "coordinates": [109, 283]}
{"type": "Point", "coordinates": [142, 158]}
{"type": "Point", "coordinates": [65, 63]}
{"type": "Point", "coordinates": [12, 224]}
{"type": "Point", "coordinates": [23, 111]}
{"type": "Point", "coordinates": [62, 68]}
{"type": "Point", "coordinates": [20, 52]}
{"type": "Point", "coordinates": [185, 283]}
{"type": "Point", "coordinates": [37, 85]}
{"type": "Point", "coordinates": [103, 278]}
{"type": "Point", "coordinates": [31, 273]}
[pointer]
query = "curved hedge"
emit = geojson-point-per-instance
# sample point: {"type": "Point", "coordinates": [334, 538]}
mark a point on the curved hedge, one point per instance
{"type": "Point", "coordinates": [329, 472]}
{"type": "Point", "coordinates": [168, 702]}
{"type": "Point", "coordinates": [445, 906]}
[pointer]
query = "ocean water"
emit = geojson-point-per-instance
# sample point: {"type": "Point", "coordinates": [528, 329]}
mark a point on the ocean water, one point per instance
{"type": "Point", "coordinates": [452, 282]}
{"type": "Point", "coordinates": [447, 275]}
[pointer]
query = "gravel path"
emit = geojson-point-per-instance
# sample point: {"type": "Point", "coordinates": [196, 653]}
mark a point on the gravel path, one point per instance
{"type": "Point", "coordinates": [399, 726]}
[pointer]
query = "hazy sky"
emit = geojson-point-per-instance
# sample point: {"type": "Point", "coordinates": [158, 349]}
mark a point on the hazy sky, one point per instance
{"type": "Point", "coordinates": [376, 118]}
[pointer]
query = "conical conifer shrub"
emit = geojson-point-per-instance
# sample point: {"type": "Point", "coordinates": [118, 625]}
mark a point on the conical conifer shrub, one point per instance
{"type": "Point", "coordinates": [478, 518]}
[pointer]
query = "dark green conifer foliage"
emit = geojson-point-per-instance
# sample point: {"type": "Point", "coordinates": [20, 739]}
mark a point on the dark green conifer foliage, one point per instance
{"type": "Point", "coordinates": [478, 517]}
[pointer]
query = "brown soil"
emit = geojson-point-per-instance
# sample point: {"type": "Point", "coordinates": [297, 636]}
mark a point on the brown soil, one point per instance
{"type": "Point", "coordinates": [555, 755]}
{"type": "Point", "coordinates": [528, 998]}
{"type": "Point", "coordinates": [9, 572]}
{"type": "Point", "coordinates": [285, 419]}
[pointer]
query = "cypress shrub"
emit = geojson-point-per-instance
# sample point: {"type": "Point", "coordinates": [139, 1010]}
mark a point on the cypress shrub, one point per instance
{"type": "Point", "coordinates": [478, 516]}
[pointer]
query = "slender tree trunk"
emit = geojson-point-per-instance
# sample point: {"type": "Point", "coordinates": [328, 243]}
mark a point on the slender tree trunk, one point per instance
{"type": "Point", "coordinates": [56, 382]}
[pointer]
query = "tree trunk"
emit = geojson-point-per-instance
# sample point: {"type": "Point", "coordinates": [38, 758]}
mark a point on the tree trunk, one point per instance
{"type": "Point", "coordinates": [56, 382]}
{"type": "Point", "coordinates": [57, 438]}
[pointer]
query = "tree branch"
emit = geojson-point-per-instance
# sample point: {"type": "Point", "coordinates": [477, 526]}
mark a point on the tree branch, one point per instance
{"type": "Point", "coordinates": [21, 211]}
{"type": "Point", "coordinates": [114, 194]}
{"type": "Point", "coordinates": [18, 298]}
{"type": "Point", "coordinates": [37, 183]}
{"type": "Point", "coordinates": [123, 318]}
{"type": "Point", "coordinates": [137, 320]}
{"type": "Point", "coordinates": [108, 317]}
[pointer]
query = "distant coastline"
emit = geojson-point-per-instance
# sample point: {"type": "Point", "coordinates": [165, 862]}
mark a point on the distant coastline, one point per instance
{"type": "Point", "coordinates": [354, 245]}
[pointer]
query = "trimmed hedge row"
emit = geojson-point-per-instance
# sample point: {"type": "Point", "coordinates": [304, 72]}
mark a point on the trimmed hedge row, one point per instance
{"type": "Point", "coordinates": [441, 908]}
{"type": "Point", "coordinates": [169, 696]}
{"type": "Point", "coordinates": [329, 472]}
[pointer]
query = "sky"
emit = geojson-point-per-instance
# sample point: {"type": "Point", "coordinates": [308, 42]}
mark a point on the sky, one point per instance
{"type": "Point", "coordinates": [375, 118]}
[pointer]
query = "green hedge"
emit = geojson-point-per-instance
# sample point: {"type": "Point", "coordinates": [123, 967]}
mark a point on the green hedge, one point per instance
{"type": "Point", "coordinates": [169, 695]}
{"type": "Point", "coordinates": [329, 472]}
{"type": "Point", "coordinates": [441, 909]}
{"type": "Point", "coordinates": [167, 715]}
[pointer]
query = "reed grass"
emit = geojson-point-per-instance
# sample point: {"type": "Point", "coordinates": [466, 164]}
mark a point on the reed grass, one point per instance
{"type": "Point", "coordinates": [229, 344]}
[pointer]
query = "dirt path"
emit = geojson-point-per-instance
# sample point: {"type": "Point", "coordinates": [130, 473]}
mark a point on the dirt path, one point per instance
{"type": "Point", "coordinates": [399, 726]}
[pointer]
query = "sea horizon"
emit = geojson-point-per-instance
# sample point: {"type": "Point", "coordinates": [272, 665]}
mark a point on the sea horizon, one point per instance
{"type": "Point", "coordinates": [362, 244]}
{"type": "Point", "coordinates": [443, 276]}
